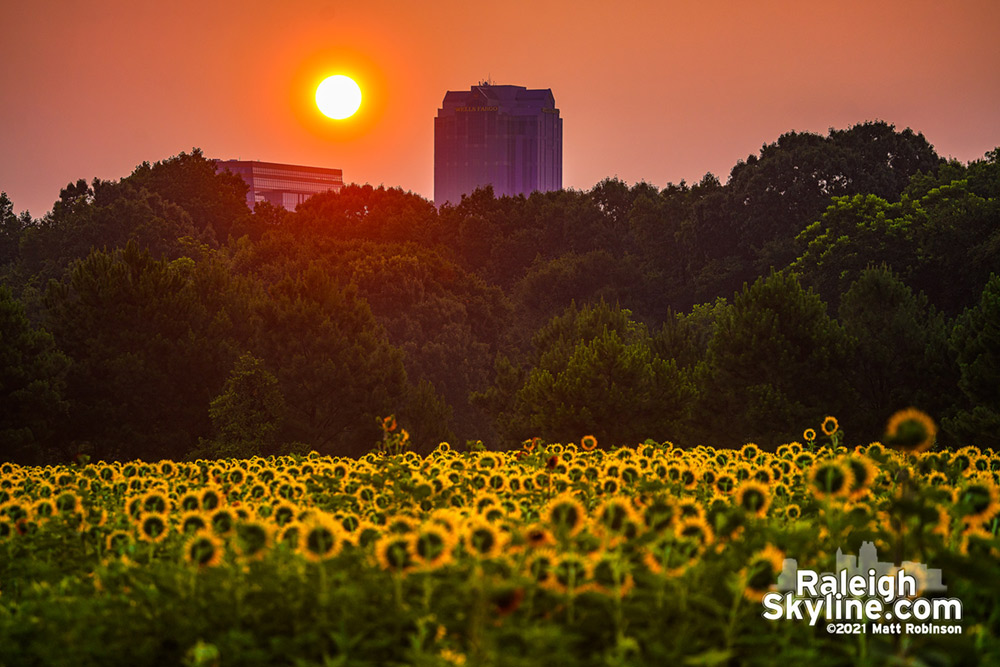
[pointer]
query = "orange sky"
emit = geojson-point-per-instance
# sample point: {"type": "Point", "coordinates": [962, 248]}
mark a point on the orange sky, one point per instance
{"type": "Point", "coordinates": [649, 90]}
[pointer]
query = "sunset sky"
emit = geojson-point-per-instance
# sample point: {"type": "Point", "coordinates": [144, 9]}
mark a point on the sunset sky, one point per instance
{"type": "Point", "coordinates": [649, 90]}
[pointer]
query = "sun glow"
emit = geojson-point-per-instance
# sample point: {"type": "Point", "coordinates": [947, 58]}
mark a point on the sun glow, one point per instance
{"type": "Point", "coordinates": [338, 97]}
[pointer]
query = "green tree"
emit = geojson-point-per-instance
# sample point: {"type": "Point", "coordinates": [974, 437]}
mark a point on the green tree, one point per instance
{"type": "Point", "coordinates": [11, 229]}
{"type": "Point", "coordinates": [102, 215]}
{"type": "Point", "coordinates": [32, 382]}
{"type": "Point", "coordinates": [214, 200]}
{"type": "Point", "coordinates": [592, 371]}
{"type": "Point", "coordinates": [976, 342]}
{"type": "Point", "coordinates": [775, 363]}
{"type": "Point", "coordinates": [899, 352]}
{"type": "Point", "coordinates": [364, 212]}
{"type": "Point", "coordinates": [336, 369]}
{"type": "Point", "coordinates": [943, 244]}
{"type": "Point", "coordinates": [151, 341]}
{"type": "Point", "coordinates": [247, 415]}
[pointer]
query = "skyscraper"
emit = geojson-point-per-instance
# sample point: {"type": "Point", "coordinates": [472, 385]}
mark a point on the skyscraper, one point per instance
{"type": "Point", "coordinates": [505, 136]}
{"type": "Point", "coordinates": [284, 185]}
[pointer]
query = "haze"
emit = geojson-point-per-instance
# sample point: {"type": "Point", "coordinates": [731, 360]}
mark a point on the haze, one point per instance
{"type": "Point", "coordinates": [655, 91]}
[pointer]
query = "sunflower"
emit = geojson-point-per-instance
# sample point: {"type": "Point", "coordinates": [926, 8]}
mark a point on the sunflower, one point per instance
{"type": "Point", "coordinates": [365, 493]}
{"type": "Point", "coordinates": [829, 426]}
{"type": "Point", "coordinates": [203, 549]}
{"type": "Point", "coordinates": [482, 537]}
{"type": "Point", "coordinates": [400, 523]}
{"type": "Point", "coordinates": [830, 479]}
{"type": "Point", "coordinates": [192, 521]}
{"type": "Point", "coordinates": [432, 546]}
{"type": "Point", "coordinates": [153, 527]}
{"type": "Point", "coordinates": [155, 501]}
{"type": "Point", "coordinates": [690, 507]}
{"type": "Point", "coordinates": [978, 542]}
{"type": "Point", "coordinates": [660, 513]}
{"type": "Point", "coordinates": [253, 539]}
{"type": "Point", "coordinates": [189, 501]}
{"type": "Point", "coordinates": [725, 483]}
{"type": "Point", "coordinates": [485, 499]}
{"type": "Point", "coordinates": [349, 521]}
{"type": "Point", "coordinates": [117, 541]}
{"type": "Point", "coordinates": [211, 497]}
{"type": "Point", "coordinates": [761, 573]}
{"type": "Point", "coordinates": [165, 468]}
{"type": "Point", "coordinates": [804, 460]}
{"type": "Point", "coordinates": [749, 452]}
{"type": "Point", "coordinates": [764, 475]}
{"type": "Point", "coordinates": [571, 573]}
{"type": "Point", "coordinates": [449, 519]}
{"type": "Point", "coordinates": [671, 555]}
{"type": "Point", "coordinates": [978, 500]}
{"type": "Point", "coordinates": [753, 497]}
{"type": "Point", "coordinates": [495, 513]}
{"type": "Point", "coordinates": [793, 511]}
{"type": "Point", "coordinates": [395, 552]}
{"type": "Point", "coordinates": [284, 512]}
{"type": "Point", "coordinates": [68, 502]}
{"type": "Point", "coordinates": [366, 534]}
{"type": "Point", "coordinates": [237, 476]}
{"type": "Point", "coordinates": [321, 538]}
{"type": "Point", "coordinates": [588, 443]}
{"type": "Point", "coordinates": [290, 534]}
{"type": "Point", "coordinates": [875, 450]}
{"type": "Point", "coordinates": [222, 521]}
{"type": "Point", "coordinates": [697, 529]}
{"type": "Point", "coordinates": [618, 515]}
{"type": "Point", "coordinates": [910, 431]}
{"type": "Point", "coordinates": [609, 485]}
{"type": "Point", "coordinates": [43, 508]}
{"type": "Point", "coordinates": [539, 565]}
{"type": "Point", "coordinates": [610, 574]}
{"type": "Point", "coordinates": [538, 536]}
{"type": "Point", "coordinates": [689, 478]}
{"type": "Point", "coordinates": [497, 481]}
{"type": "Point", "coordinates": [566, 514]}
{"type": "Point", "coordinates": [863, 474]}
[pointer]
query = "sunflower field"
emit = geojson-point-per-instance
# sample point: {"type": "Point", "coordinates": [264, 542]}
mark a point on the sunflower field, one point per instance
{"type": "Point", "coordinates": [555, 554]}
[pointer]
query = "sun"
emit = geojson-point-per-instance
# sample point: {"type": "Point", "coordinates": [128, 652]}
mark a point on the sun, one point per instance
{"type": "Point", "coordinates": [338, 97]}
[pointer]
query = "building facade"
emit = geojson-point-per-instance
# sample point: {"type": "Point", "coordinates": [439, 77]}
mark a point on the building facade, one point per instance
{"type": "Point", "coordinates": [509, 137]}
{"type": "Point", "coordinates": [283, 185]}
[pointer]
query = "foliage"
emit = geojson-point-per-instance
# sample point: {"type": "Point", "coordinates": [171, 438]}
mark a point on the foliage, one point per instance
{"type": "Point", "coordinates": [438, 310]}
{"type": "Point", "coordinates": [899, 349]}
{"type": "Point", "coordinates": [151, 342]}
{"type": "Point", "coordinates": [593, 370]}
{"type": "Point", "coordinates": [976, 342]}
{"type": "Point", "coordinates": [775, 360]}
{"type": "Point", "coordinates": [247, 415]}
{"type": "Point", "coordinates": [633, 555]}
{"type": "Point", "coordinates": [32, 385]}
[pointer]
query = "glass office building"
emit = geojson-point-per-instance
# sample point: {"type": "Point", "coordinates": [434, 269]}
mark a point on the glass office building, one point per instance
{"type": "Point", "coordinates": [509, 137]}
{"type": "Point", "coordinates": [284, 185]}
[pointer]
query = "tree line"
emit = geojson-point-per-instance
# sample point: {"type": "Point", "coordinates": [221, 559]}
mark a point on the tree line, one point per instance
{"type": "Point", "coordinates": [851, 274]}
